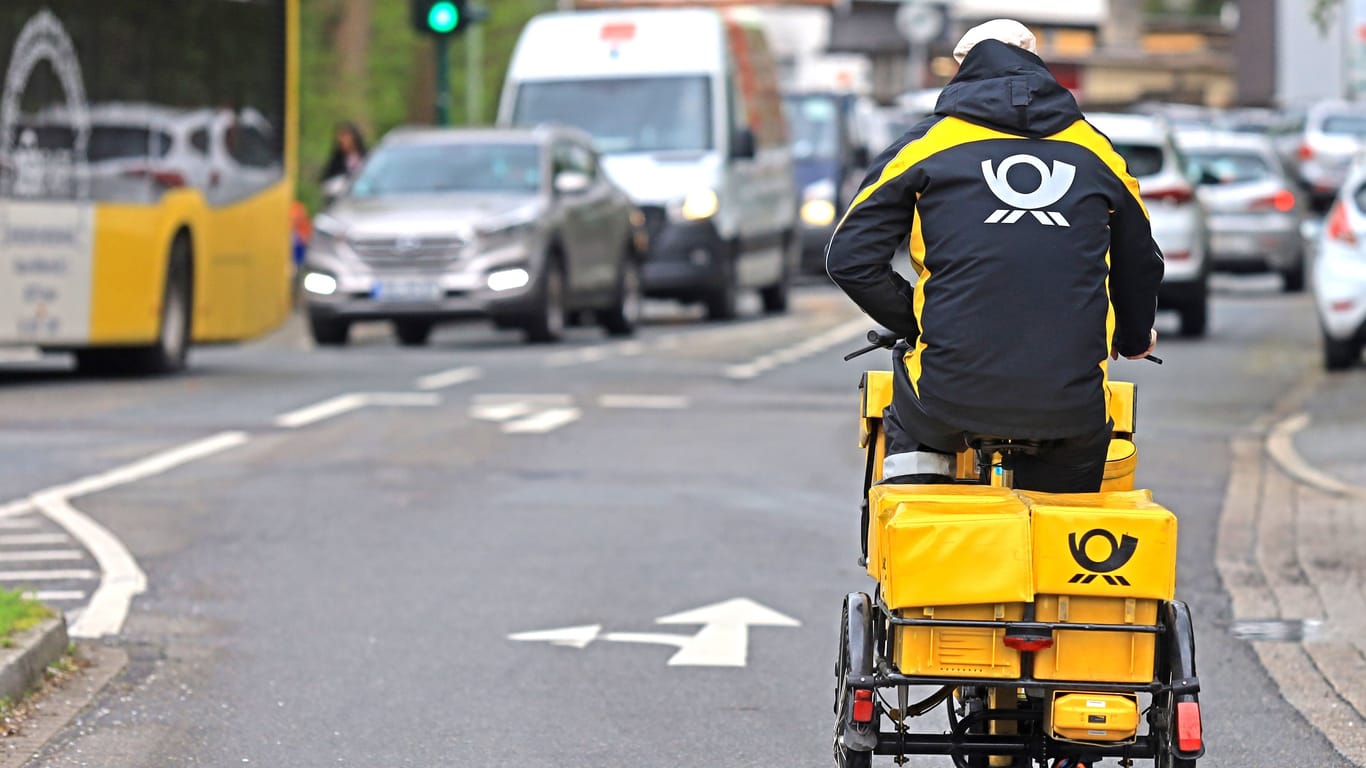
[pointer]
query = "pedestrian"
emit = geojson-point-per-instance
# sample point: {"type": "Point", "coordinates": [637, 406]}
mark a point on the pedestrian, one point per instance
{"type": "Point", "coordinates": [348, 152]}
{"type": "Point", "coordinates": [1036, 266]}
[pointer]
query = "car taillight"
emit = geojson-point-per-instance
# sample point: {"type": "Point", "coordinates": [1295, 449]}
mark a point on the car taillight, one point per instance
{"type": "Point", "coordinates": [1339, 228]}
{"type": "Point", "coordinates": [1283, 201]}
{"type": "Point", "coordinates": [1305, 152]}
{"type": "Point", "coordinates": [1179, 195]}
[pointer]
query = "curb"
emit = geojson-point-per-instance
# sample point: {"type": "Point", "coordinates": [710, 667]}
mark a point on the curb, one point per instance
{"type": "Point", "coordinates": [22, 666]}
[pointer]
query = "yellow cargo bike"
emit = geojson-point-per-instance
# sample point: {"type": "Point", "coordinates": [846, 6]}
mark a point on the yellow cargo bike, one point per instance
{"type": "Point", "coordinates": [1045, 624]}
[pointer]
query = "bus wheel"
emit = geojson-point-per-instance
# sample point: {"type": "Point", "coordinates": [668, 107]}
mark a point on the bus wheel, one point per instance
{"type": "Point", "coordinates": [172, 346]}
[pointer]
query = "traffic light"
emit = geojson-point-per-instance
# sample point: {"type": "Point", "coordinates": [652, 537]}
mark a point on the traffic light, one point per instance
{"type": "Point", "coordinates": [441, 18]}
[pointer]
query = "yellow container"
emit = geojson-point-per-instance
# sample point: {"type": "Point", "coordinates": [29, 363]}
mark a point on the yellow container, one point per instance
{"type": "Point", "coordinates": [1102, 657]}
{"type": "Point", "coordinates": [1093, 717]}
{"type": "Point", "coordinates": [958, 651]}
{"type": "Point", "coordinates": [1111, 544]}
{"type": "Point", "coordinates": [929, 536]}
{"type": "Point", "coordinates": [1120, 462]}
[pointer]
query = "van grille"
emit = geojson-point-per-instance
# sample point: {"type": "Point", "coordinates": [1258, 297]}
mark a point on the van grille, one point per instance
{"type": "Point", "coordinates": [408, 252]}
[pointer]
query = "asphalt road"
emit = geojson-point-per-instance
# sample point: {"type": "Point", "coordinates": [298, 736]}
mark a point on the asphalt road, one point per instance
{"type": "Point", "coordinates": [341, 584]}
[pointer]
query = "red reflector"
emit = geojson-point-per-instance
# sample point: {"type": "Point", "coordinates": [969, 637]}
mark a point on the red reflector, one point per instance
{"type": "Point", "coordinates": [1176, 255]}
{"type": "Point", "coordinates": [1188, 726]}
{"type": "Point", "coordinates": [1342, 305]}
{"type": "Point", "coordinates": [617, 33]}
{"type": "Point", "coordinates": [1029, 643]}
{"type": "Point", "coordinates": [1339, 228]}
{"type": "Point", "coordinates": [1305, 152]}
{"type": "Point", "coordinates": [863, 706]}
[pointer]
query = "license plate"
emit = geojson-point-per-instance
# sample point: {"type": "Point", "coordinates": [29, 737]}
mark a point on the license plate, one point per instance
{"type": "Point", "coordinates": [407, 290]}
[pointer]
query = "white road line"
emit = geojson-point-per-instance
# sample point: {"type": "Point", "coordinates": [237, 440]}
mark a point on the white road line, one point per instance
{"type": "Point", "coordinates": [662, 402]}
{"type": "Point", "coordinates": [55, 595]}
{"type": "Point", "coordinates": [152, 465]}
{"type": "Point", "coordinates": [789, 354]}
{"type": "Point", "coordinates": [499, 411]}
{"type": "Point", "coordinates": [543, 421]}
{"type": "Point", "coordinates": [11, 520]}
{"type": "Point", "coordinates": [326, 409]}
{"type": "Point", "coordinates": [68, 575]}
{"type": "Point", "coordinates": [450, 378]}
{"type": "Point", "coordinates": [341, 404]}
{"type": "Point", "coordinates": [40, 555]}
{"type": "Point", "coordinates": [25, 539]}
{"type": "Point", "coordinates": [1280, 444]}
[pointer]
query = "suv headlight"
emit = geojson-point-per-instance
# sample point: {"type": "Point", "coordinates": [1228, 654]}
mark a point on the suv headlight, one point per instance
{"type": "Point", "coordinates": [697, 205]}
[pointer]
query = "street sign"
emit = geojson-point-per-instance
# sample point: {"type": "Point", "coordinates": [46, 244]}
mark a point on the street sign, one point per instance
{"type": "Point", "coordinates": [723, 640]}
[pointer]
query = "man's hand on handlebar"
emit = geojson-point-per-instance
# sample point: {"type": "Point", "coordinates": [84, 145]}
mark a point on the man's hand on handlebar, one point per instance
{"type": "Point", "coordinates": [1147, 353]}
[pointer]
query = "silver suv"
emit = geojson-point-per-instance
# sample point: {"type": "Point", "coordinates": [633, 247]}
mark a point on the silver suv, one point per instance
{"type": "Point", "coordinates": [519, 227]}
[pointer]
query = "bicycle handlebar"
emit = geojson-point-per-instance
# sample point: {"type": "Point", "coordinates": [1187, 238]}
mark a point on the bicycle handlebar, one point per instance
{"type": "Point", "coordinates": [881, 338]}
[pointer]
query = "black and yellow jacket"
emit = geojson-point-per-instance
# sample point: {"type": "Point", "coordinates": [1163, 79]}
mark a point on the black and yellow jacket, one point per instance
{"type": "Point", "coordinates": [1032, 247]}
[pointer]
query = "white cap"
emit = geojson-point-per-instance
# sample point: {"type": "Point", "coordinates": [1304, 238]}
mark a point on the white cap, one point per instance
{"type": "Point", "coordinates": [1007, 31]}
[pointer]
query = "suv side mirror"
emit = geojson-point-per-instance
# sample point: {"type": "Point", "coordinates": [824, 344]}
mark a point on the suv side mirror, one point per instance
{"type": "Point", "coordinates": [742, 144]}
{"type": "Point", "coordinates": [334, 188]}
{"type": "Point", "coordinates": [572, 182]}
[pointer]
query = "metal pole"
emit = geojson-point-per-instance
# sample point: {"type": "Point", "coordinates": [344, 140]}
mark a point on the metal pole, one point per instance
{"type": "Point", "coordinates": [474, 75]}
{"type": "Point", "coordinates": [443, 80]}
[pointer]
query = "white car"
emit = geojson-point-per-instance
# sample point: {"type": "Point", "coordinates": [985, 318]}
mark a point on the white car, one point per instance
{"type": "Point", "coordinates": [1334, 131]}
{"type": "Point", "coordinates": [1339, 274]}
{"type": "Point", "coordinates": [1176, 214]}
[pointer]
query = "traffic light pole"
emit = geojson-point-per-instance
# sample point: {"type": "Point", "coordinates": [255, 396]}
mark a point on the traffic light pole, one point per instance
{"type": "Point", "coordinates": [443, 80]}
{"type": "Point", "coordinates": [474, 75]}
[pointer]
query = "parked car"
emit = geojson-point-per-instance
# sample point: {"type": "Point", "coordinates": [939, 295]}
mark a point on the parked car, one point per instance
{"type": "Point", "coordinates": [1253, 211]}
{"type": "Point", "coordinates": [517, 226]}
{"type": "Point", "coordinates": [829, 158]}
{"type": "Point", "coordinates": [1334, 132]}
{"type": "Point", "coordinates": [1339, 274]}
{"type": "Point", "coordinates": [683, 104]}
{"type": "Point", "coordinates": [1177, 216]}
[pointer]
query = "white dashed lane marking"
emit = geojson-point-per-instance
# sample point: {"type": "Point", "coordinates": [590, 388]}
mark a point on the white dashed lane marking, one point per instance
{"type": "Point", "coordinates": [341, 404]}
{"type": "Point", "coordinates": [543, 421]}
{"type": "Point", "coordinates": [659, 402]}
{"type": "Point", "coordinates": [450, 378]}
{"type": "Point", "coordinates": [39, 555]}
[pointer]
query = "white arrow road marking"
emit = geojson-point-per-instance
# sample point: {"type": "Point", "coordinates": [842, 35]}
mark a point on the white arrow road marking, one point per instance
{"type": "Point", "coordinates": [526, 414]}
{"type": "Point", "coordinates": [55, 595]}
{"type": "Point", "coordinates": [450, 378]}
{"type": "Point", "coordinates": [499, 411]}
{"type": "Point", "coordinates": [29, 539]}
{"type": "Point", "coordinates": [54, 575]}
{"type": "Point", "coordinates": [569, 637]}
{"type": "Point", "coordinates": [340, 404]}
{"type": "Point", "coordinates": [37, 555]}
{"type": "Point", "coordinates": [723, 640]}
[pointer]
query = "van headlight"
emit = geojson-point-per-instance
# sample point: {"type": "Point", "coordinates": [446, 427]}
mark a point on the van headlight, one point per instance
{"type": "Point", "coordinates": [818, 203]}
{"type": "Point", "coordinates": [697, 205]}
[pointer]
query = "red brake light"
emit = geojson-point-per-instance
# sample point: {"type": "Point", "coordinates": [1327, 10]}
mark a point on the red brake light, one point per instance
{"type": "Point", "coordinates": [618, 33]}
{"type": "Point", "coordinates": [863, 706]}
{"type": "Point", "coordinates": [1030, 644]}
{"type": "Point", "coordinates": [1305, 153]}
{"type": "Point", "coordinates": [1283, 201]}
{"type": "Point", "coordinates": [1188, 738]}
{"type": "Point", "coordinates": [1171, 195]}
{"type": "Point", "coordinates": [1339, 228]}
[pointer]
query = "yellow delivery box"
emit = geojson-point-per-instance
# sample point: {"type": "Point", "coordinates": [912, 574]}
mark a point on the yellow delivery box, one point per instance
{"type": "Point", "coordinates": [1101, 558]}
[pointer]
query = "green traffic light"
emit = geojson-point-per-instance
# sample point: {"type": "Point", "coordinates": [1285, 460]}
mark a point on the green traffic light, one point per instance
{"type": "Point", "coordinates": [443, 17]}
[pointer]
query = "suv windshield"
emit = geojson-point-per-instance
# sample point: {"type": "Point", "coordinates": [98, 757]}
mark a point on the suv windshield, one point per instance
{"type": "Point", "coordinates": [641, 114]}
{"type": "Point", "coordinates": [814, 128]}
{"type": "Point", "coordinates": [416, 169]}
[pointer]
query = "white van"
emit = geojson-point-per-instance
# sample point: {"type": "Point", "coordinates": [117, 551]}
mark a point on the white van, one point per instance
{"type": "Point", "coordinates": [683, 104]}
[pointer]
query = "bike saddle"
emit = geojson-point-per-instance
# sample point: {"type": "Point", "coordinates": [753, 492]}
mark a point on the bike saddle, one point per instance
{"type": "Point", "coordinates": [1006, 446]}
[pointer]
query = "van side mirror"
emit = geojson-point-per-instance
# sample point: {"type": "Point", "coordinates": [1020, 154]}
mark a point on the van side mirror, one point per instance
{"type": "Point", "coordinates": [742, 144]}
{"type": "Point", "coordinates": [571, 182]}
{"type": "Point", "coordinates": [334, 188]}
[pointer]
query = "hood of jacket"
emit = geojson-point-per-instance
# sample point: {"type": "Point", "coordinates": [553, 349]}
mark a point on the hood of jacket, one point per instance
{"type": "Point", "coordinates": [1008, 88]}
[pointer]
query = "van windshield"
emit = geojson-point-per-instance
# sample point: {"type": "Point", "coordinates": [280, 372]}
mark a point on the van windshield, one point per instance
{"type": "Point", "coordinates": [641, 114]}
{"type": "Point", "coordinates": [813, 125]}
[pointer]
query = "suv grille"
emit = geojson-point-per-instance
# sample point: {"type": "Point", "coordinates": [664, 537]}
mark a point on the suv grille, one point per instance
{"type": "Point", "coordinates": [408, 252]}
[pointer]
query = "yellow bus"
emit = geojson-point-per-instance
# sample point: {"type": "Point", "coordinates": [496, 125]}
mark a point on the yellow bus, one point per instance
{"type": "Point", "coordinates": [147, 155]}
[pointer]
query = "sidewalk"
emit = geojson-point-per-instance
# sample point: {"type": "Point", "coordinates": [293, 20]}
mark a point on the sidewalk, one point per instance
{"type": "Point", "coordinates": [1291, 539]}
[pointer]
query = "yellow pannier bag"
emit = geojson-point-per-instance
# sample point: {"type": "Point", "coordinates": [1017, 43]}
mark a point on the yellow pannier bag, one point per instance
{"type": "Point", "coordinates": [1110, 544]}
{"type": "Point", "coordinates": [949, 545]}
